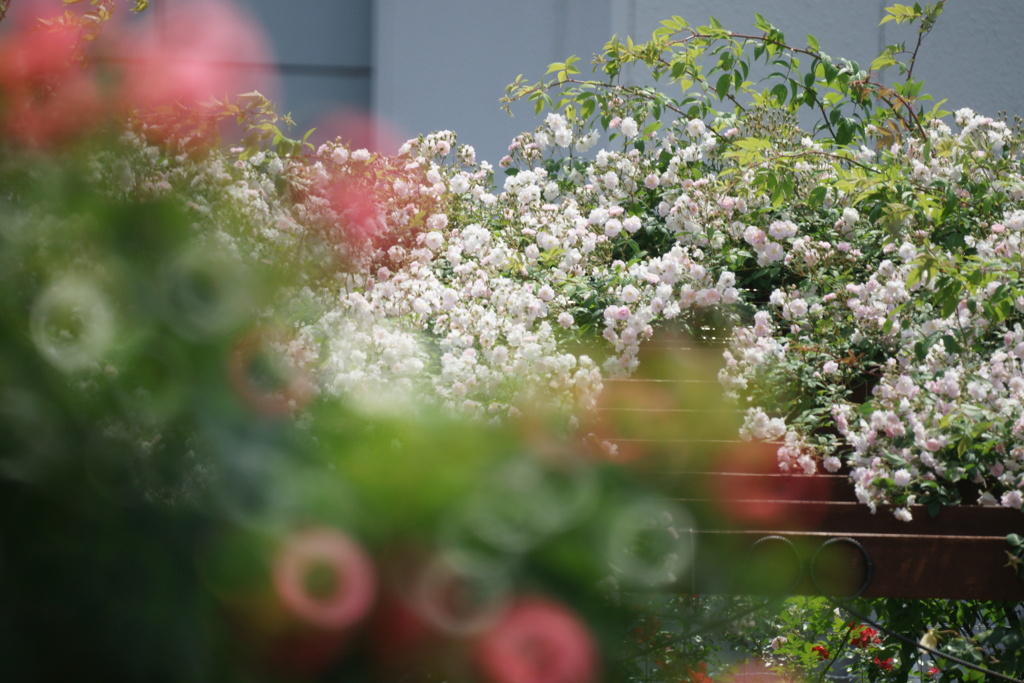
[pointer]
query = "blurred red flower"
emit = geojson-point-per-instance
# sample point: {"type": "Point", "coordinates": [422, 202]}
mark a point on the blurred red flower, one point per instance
{"type": "Point", "coordinates": [884, 664]}
{"type": "Point", "coordinates": [754, 491]}
{"type": "Point", "coordinates": [700, 675]}
{"type": "Point", "coordinates": [268, 375]}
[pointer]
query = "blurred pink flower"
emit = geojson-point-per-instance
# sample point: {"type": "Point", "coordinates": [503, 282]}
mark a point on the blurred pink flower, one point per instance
{"type": "Point", "coordinates": [268, 375]}
{"type": "Point", "coordinates": [200, 51]}
{"type": "Point", "coordinates": [47, 96]}
{"type": "Point", "coordinates": [537, 641]}
{"type": "Point", "coordinates": [353, 582]}
{"type": "Point", "coordinates": [354, 199]}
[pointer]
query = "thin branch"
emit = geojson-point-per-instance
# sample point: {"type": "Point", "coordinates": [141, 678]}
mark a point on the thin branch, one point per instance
{"type": "Point", "coordinates": [925, 30]}
{"type": "Point", "coordinates": [913, 55]}
{"type": "Point", "coordinates": [839, 651]}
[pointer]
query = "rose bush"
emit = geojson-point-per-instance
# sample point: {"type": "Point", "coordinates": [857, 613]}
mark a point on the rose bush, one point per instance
{"type": "Point", "coordinates": [848, 270]}
{"type": "Point", "coordinates": [217, 440]}
{"type": "Point", "coordinates": [247, 340]}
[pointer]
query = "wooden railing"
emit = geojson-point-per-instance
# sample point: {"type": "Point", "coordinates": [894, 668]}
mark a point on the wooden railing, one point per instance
{"type": "Point", "coordinates": [756, 529]}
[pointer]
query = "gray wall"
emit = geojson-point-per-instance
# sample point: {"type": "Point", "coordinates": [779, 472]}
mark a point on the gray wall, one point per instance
{"type": "Point", "coordinates": [322, 56]}
{"type": "Point", "coordinates": [972, 57]}
{"type": "Point", "coordinates": [324, 48]}
{"type": "Point", "coordinates": [423, 65]}
{"type": "Point", "coordinates": [444, 63]}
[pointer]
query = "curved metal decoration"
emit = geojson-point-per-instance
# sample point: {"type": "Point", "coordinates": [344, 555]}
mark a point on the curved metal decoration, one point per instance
{"type": "Point", "coordinates": [789, 588]}
{"type": "Point", "coordinates": [869, 566]}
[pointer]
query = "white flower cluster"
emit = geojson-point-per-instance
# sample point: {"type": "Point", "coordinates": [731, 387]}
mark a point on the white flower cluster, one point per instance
{"type": "Point", "coordinates": [947, 364]}
{"type": "Point", "coordinates": [499, 286]}
{"type": "Point", "coordinates": [442, 284]}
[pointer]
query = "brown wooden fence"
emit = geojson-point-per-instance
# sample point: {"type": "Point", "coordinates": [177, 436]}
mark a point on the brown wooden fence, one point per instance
{"type": "Point", "coordinates": [756, 529]}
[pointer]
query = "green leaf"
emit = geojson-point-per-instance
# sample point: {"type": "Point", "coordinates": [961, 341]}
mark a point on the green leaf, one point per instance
{"type": "Point", "coordinates": [812, 42]}
{"type": "Point", "coordinates": [779, 92]}
{"type": "Point", "coordinates": [816, 198]}
{"type": "Point", "coordinates": [964, 649]}
{"type": "Point", "coordinates": [914, 276]}
{"type": "Point", "coordinates": [831, 71]}
{"type": "Point", "coordinates": [845, 131]}
{"type": "Point", "coordinates": [921, 350]}
{"type": "Point", "coordinates": [979, 429]}
{"type": "Point", "coordinates": [723, 85]}
{"type": "Point", "coordinates": [587, 109]}
{"type": "Point", "coordinates": [949, 300]}
{"type": "Point", "coordinates": [888, 324]}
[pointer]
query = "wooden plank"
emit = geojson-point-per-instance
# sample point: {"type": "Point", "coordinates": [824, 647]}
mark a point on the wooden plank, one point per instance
{"type": "Point", "coordinates": [738, 485]}
{"type": "Point", "coordinates": [772, 515]}
{"type": "Point", "coordinates": [903, 566]}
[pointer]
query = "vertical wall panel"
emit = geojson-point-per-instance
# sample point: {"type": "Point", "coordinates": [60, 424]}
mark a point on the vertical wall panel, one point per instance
{"type": "Point", "coordinates": [443, 64]}
{"type": "Point", "coordinates": [325, 50]}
